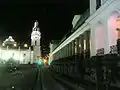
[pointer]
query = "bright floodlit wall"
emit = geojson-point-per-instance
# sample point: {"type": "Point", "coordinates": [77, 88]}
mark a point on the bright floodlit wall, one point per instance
{"type": "Point", "coordinates": [104, 26]}
{"type": "Point", "coordinates": [23, 56]}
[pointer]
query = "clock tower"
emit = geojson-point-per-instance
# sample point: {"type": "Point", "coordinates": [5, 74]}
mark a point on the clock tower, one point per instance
{"type": "Point", "coordinates": [35, 42]}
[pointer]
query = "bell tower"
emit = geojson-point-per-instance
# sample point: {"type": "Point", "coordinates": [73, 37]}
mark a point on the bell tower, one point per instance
{"type": "Point", "coordinates": [35, 42]}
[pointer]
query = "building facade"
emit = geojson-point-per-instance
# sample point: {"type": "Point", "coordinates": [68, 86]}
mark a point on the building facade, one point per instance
{"type": "Point", "coordinates": [10, 50]}
{"type": "Point", "coordinates": [95, 33]}
{"type": "Point", "coordinates": [22, 56]}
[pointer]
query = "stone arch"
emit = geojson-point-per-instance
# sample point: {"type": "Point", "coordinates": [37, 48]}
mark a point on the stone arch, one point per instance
{"type": "Point", "coordinates": [99, 35]}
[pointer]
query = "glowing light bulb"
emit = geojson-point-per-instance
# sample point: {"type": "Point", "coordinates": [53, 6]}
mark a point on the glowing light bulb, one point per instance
{"type": "Point", "coordinates": [15, 45]}
{"type": "Point", "coordinates": [25, 45]}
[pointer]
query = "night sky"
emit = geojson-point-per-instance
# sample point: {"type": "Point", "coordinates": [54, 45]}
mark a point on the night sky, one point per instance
{"type": "Point", "coordinates": [55, 19]}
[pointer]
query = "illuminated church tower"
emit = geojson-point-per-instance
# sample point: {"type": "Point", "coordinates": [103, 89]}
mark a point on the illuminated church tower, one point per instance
{"type": "Point", "coordinates": [35, 41]}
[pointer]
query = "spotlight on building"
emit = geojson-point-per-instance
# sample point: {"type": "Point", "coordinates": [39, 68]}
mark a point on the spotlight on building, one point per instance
{"type": "Point", "coordinates": [25, 45]}
{"type": "Point", "coordinates": [15, 45]}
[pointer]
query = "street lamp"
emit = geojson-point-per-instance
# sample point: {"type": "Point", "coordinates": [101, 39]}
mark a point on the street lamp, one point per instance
{"type": "Point", "coordinates": [15, 45]}
{"type": "Point", "coordinates": [25, 45]}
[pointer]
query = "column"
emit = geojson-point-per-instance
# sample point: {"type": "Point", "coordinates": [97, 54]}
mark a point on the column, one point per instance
{"type": "Point", "coordinates": [78, 45]}
{"type": "Point", "coordinates": [67, 50]}
{"type": "Point", "coordinates": [92, 6]}
{"type": "Point", "coordinates": [57, 54]}
{"type": "Point", "coordinates": [63, 52]}
{"type": "Point", "coordinates": [70, 48]}
{"type": "Point", "coordinates": [73, 47]}
{"type": "Point", "coordinates": [87, 42]}
{"type": "Point", "coordinates": [106, 39]}
{"type": "Point", "coordinates": [92, 37]}
{"type": "Point", "coordinates": [60, 53]}
{"type": "Point", "coordinates": [82, 43]}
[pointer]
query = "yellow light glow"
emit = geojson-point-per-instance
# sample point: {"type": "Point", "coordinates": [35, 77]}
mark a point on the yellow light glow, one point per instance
{"type": "Point", "coordinates": [44, 61]}
{"type": "Point", "coordinates": [15, 45]}
{"type": "Point", "coordinates": [25, 45]}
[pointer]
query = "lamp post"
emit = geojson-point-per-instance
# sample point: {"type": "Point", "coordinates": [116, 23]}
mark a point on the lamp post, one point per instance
{"type": "Point", "coordinates": [25, 45]}
{"type": "Point", "coordinates": [15, 45]}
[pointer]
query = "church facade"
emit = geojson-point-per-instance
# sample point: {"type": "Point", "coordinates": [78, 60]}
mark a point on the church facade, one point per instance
{"type": "Point", "coordinates": [11, 51]}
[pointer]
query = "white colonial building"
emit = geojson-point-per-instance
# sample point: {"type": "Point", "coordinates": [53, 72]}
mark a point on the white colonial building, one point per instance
{"type": "Point", "coordinates": [96, 31]}
{"type": "Point", "coordinates": [10, 50]}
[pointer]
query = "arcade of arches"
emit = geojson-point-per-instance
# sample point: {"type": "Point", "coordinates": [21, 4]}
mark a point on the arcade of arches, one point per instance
{"type": "Point", "coordinates": [113, 30]}
{"type": "Point", "coordinates": [80, 45]}
{"type": "Point", "coordinates": [113, 27]}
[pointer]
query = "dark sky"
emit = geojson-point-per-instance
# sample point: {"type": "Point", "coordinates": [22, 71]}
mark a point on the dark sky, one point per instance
{"type": "Point", "coordinates": [55, 19]}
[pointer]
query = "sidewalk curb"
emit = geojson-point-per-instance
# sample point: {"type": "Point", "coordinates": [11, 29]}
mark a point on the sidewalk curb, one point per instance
{"type": "Point", "coordinates": [71, 85]}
